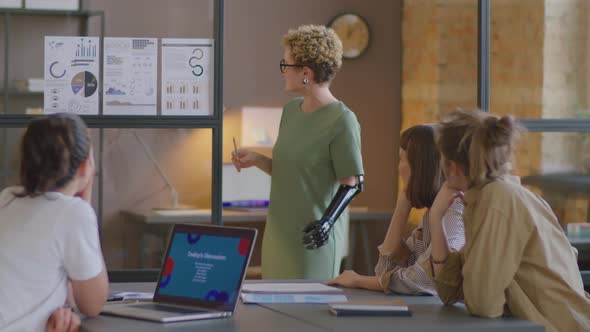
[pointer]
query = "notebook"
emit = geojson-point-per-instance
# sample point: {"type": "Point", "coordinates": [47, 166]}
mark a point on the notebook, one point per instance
{"type": "Point", "coordinates": [201, 277]}
{"type": "Point", "coordinates": [371, 308]}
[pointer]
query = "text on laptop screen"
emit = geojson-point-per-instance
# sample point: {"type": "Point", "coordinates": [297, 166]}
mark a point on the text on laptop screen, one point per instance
{"type": "Point", "coordinates": [204, 267]}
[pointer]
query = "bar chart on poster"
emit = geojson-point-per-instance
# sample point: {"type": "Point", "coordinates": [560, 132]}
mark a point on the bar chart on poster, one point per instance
{"type": "Point", "coordinates": [71, 75]}
{"type": "Point", "coordinates": [130, 76]}
{"type": "Point", "coordinates": [187, 76]}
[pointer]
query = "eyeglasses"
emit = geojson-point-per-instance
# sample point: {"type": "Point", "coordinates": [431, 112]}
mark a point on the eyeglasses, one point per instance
{"type": "Point", "coordinates": [283, 66]}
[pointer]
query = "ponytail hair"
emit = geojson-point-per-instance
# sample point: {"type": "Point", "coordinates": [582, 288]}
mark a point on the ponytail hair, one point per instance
{"type": "Point", "coordinates": [52, 149]}
{"type": "Point", "coordinates": [481, 143]}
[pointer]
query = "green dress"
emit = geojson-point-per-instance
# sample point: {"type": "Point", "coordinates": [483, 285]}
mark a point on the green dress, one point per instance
{"type": "Point", "coordinates": [312, 153]}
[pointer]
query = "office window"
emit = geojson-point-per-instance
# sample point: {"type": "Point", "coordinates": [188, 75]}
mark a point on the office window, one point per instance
{"type": "Point", "coordinates": [439, 59]}
{"type": "Point", "coordinates": [539, 74]}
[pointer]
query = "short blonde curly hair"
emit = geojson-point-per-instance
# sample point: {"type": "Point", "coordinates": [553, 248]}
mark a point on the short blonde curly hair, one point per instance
{"type": "Point", "coordinates": [317, 47]}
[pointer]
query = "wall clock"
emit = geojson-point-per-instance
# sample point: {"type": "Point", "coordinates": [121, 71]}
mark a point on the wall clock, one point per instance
{"type": "Point", "coordinates": [354, 32]}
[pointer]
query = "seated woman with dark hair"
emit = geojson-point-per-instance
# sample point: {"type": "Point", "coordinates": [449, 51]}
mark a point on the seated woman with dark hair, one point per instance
{"type": "Point", "coordinates": [51, 256]}
{"type": "Point", "coordinates": [399, 267]}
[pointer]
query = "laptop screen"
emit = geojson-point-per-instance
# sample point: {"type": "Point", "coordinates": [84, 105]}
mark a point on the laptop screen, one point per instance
{"type": "Point", "coordinates": [205, 266]}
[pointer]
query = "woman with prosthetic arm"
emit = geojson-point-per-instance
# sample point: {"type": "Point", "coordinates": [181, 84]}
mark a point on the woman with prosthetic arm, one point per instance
{"type": "Point", "coordinates": [316, 164]}
{"type": "Point", "coordinates": [317, 233]}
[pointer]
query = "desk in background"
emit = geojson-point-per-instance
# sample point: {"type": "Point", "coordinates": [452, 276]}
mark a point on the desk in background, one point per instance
{"type": "Point", "coordinates": [153, 221]}
{"type": "Point", "coordinates": [582, 243]}
{"type": "Point", "coordinates": [562, 182]}
{"type": "Point", "coordinates": [428, 315]}
{"type": "Point", "coordinates": [565, 183]}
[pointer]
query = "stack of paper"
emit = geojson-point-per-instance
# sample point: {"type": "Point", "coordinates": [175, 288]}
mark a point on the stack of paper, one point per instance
{"type": "Point", "coordinates": [34, 110]}
{"type": "Point", "coordinates": [291, 293]}
{"type": "Point", "coordinates": [52, 4]}
{"type": "Point", "coordinates": [36, 84]}
{"type": "Point", "coordinates": [30, 84]}
{"type": "Point", "coordinates": [11, 3]}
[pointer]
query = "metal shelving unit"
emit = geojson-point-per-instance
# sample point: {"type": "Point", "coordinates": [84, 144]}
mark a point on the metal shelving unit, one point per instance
{"type": "Point", "coordinates": [213, 122]}
{"type": "Point", "coordinates": [8, 93]}
{"type": "Point", "coordinates": [8, 14]}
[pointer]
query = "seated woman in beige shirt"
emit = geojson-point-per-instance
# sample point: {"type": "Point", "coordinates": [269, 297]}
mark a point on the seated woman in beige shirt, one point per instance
{"type": "Point", "coordinates": [517, 259]}
{"type": "Point", "coordinates": [398, 269]}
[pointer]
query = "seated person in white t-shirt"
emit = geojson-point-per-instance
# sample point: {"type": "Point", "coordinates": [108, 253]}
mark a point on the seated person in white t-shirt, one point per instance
{"type": "Point", "coordinates": [63, 320]}
{"type": "Point", "coordinates": [48, 231]}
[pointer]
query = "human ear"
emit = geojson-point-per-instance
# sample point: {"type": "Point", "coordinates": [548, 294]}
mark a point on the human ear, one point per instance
{"type": "Point", "coordinates": [86, 170]}
{"type": "Point", "coordinates": [86, 167]}
{"type": "Point", "coordinates": [85, 175]}
{"type": "Point", "coordinates": [457, 178]}
{"type": "Point", "coordinates": [456, 169]}
{"type": "Point", "coordinates": [308, 73]}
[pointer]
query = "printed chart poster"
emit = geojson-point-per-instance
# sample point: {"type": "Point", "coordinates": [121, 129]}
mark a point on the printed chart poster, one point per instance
{"type": "Point", "coordinates": [71, 75]}
{"type": "Point", "coordinates": [130, 76]}
{"type": "Point", "coordinates": [187, 76]}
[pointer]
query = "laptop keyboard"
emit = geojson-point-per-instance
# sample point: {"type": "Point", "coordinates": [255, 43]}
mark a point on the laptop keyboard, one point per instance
{"type": "Point", "coordinates": [159, 307]}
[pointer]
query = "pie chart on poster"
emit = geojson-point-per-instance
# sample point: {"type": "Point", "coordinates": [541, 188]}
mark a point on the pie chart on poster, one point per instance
{"type": "Point", "coordinates": [84, 84]}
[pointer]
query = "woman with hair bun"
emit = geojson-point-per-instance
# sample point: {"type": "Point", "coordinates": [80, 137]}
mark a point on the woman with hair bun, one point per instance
{"type": "Point", "coordinates": [517, 259]}
{"type": "Point", "coordinates": [51, 258]}
{"type": "Point", "coordinates": [316, 164]}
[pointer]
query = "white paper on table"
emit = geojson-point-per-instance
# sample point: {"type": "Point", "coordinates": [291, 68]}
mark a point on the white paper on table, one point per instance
{"type": "Point", "coordinates": [133, 295]}
{"type": "Point", "coordinates": [292, 298]}
{"type": "Point", "coordinates": [279, 288]}
{"type": "Point", "coordinates": [187, 76]}
{"type": "Point", "coordinates": [130, 76]}
{"type": "Point", "coordinates": [71, 75]}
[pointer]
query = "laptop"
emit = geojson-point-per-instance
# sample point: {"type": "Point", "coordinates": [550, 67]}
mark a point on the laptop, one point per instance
{"type": "Point", "coordinates": [201, 277]}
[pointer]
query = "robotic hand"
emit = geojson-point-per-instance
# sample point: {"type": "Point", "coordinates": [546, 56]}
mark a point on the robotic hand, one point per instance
{"type": "Point", "coordinates": [316, 233]}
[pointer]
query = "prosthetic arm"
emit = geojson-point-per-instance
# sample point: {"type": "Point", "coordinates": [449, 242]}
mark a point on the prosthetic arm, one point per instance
{"type": "Point", "coordinates": [316, 233]}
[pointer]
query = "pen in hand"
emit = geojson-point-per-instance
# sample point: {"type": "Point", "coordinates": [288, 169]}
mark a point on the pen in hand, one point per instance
{"type": "Point", "coordinates": [236, 156]}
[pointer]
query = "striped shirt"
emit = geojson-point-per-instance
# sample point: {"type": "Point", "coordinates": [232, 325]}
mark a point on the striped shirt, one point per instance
{"type": "Point", "coordinates": [402, 272]}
